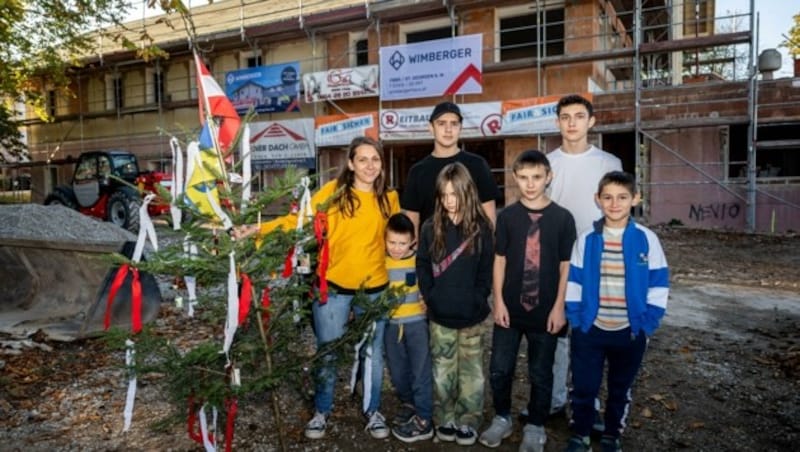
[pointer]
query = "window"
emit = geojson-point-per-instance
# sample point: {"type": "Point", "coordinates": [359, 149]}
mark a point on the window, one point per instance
{"type": "Point", "coordinates": [254, 61]}
{"type": "Point", "coordinates": [52, 103]}
{"type": "Point", "coordinates": [114, 91]}
{"type": "Point", "coordinates": [426, 31]}
{"type": "Point", "coordinates": [777, 152]}
{"type": "Point", "coordinates": [155, 85]}
{"type": "Point", "coordinates": [517, 29]}
{"type": "Point", "coordinates": [698, 17]}
{"type": "Point", "coordinates": [362, 52]}
{"type": "Point", "coordinates": [86, 170]}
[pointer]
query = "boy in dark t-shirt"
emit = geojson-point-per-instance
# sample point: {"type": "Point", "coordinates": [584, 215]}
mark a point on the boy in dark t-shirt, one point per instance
{"type": "Point", "coordinates": [534, 239]}
{"type": "Point", "coordinates": [419, 193]}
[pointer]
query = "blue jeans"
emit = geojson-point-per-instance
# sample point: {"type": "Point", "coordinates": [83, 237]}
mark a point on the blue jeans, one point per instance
{"type": "Point", "coordinates": [541, 351]}
{"type": "Point", "coordinates": [409, 360]}
{"type": "Point", "coordinates": [590, 351]}
{"type": "Point", "coordinates": [330, 321]}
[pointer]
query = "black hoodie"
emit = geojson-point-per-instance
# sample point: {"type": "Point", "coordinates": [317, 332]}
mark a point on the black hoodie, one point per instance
{"type": "Point", "coordinates": [458, 297]}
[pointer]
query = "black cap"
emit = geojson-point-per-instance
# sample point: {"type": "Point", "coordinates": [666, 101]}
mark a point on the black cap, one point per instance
{"type": "Point", "coordinates": [446, 107]}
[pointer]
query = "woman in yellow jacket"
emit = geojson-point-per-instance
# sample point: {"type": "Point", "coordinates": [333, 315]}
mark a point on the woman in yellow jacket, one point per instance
{"type": "Point", "coordinates": [356, 220]}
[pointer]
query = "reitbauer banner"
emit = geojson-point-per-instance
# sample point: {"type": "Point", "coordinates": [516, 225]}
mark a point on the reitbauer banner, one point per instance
{"type": "Point", "coordinates": [346, 83]}
{"type": "Point", "coordinates": [480, 120]}
{"type": "Point", "coordinates": [433, 68]}
{"type": "Point", "coordinates": [269, 89]}
{"type": "Point", "coordinates": [532, 116]}
{"type": "Point", "coordinates": [279, 144]}
{"type": "Point", "coordinates": [339, 130]}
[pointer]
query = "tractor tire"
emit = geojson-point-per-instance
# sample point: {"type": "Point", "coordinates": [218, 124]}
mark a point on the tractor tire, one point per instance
{"type": "Point", "coordinates": [123, 210]}
{"type": "Point", "coordinates": [58, 198]}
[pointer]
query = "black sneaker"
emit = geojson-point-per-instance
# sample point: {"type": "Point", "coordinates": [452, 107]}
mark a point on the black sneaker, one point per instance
{"type": "Point", "coordinates": [416, 429]}
{"type": "Point", "coordinates": [610, 444]}
{"type": "Point", "coordinates": [466, 436]}
{"type": "Point", "coordinates": [446, 432]}
{"type": "Point", "coordinates": [403, 415]}
{"type": "Point", "coordinates": [579, 444]}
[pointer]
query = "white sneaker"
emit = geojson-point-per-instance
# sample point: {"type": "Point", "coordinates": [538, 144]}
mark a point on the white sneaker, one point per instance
{"type": "Point", "coordinates": [533, 438]}
{"type": "Point", "coordinates": [376, 426]}
{"type": "Point", "coordinates": [499, 430]}
{"type": "Point", "coordinates": [315, 429]}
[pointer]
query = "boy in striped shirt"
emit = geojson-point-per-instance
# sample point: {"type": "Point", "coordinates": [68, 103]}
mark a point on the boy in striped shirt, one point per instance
{"type": "Point", "coordinates": [616, 296]}
{"type": "Point", "coordinates": [406, 339]}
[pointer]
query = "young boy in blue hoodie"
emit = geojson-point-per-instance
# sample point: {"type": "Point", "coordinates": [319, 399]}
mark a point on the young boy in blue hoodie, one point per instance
{"type": "Point", "coordinates": [616, 296]}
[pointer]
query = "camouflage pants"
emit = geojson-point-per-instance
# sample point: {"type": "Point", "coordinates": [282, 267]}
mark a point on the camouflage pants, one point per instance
{"type": "Point", "coordinates": [458, 380]}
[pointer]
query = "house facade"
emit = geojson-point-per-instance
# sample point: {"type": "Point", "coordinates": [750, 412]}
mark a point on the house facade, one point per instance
{"type": "Point", "coordinates": [670, 82]}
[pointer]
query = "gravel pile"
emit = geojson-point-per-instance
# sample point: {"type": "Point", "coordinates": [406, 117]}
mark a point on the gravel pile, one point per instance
{"type": "Point", "coordinates": [57, 223]}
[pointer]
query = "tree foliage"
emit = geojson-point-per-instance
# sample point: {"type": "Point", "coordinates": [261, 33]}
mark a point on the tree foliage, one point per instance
{"type": "Point", "coordinates": [793, 39]}
{"type": "Point", "coordinates": [42, 40]}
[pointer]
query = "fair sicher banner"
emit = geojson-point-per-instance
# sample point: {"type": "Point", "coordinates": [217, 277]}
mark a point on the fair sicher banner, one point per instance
{"type": "Point", "coordinates": [433, 68]}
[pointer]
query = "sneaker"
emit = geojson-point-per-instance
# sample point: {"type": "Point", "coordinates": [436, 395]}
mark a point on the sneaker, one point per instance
{"type": "Point", "coordinates": [403, 415]}
{"type": "Point", "coordinates": [599, 425]}
{"type": "Point", "coordinates": [579, 444]}
{"type": "Point", "coordinates": [610, 444]}
{"type": "Point", "coordinates": [497, 432]}
{"type": "Point", "coordinates": [416, 429]}
{"type": "Point", "coordinates": [446, 432]}
{"type": "Point", "coordinates": [376, 426]}
{"type": "Point", "coordinates": [533, 438]}
{"type": "Point", "coordinates": [315, 429]}
{"type": "Point", "coordinates": [466, 436]}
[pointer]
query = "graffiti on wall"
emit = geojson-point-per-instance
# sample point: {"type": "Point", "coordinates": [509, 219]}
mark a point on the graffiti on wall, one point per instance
{"type": "Point", "coordinates": [714, 211]}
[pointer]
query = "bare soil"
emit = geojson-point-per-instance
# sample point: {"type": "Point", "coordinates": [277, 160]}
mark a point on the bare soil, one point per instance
{"type": "Point", "coordinates": [722, 373]}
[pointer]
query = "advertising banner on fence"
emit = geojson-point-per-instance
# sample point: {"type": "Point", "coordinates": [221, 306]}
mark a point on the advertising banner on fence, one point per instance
{"type": "Point", "coordinates": [339, 130]}
{"type": "Point", "coordinates": [432, 68]}
{"type": "Point", "coordinates": [532, 116]}
{"type": "Point", "coordinates": [279, 144]}
{"type": "Point", "coordinates": [269, 89]}
{"type": "Point", "coordinates": [344, 83]}
{"type": "Point", "coordinates": [480, 120]}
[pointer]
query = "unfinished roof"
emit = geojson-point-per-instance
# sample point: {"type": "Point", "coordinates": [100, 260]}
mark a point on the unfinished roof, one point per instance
{"type": "Point", "coordinates": [229, 18]}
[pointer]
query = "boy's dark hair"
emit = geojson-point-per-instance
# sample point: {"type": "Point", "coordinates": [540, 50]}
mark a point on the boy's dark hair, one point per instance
{"type": "Point", "coordinates": [531, 157]}
{"type": "Point", "coordinates": [619, 178]}
{"type": "Point", "coordinates": [573, 99]}
{"type": "Point", "coordinates": [400, 223]}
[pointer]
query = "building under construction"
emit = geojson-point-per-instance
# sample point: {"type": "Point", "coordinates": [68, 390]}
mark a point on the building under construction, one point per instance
{"type": "Point", "coordinates": [713, 141]}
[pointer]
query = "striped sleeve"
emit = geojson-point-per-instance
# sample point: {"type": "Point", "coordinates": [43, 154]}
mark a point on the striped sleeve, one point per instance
{"type": "Point", "coordinates": [658, 285]}
{"type": "Point", "coordinates": [575, 282]}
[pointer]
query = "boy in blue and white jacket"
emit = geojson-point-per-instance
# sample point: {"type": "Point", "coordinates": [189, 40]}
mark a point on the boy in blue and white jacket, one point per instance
{"type": "Point", "coordinates": [616, 296]}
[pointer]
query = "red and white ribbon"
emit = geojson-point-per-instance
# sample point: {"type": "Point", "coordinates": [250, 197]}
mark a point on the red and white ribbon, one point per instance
{"type": "Point", "coordinates": [208, 432]}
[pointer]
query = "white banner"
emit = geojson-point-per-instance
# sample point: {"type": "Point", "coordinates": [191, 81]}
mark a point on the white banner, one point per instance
{"type": "Point", "coordinates": [432, 68]}
{"type": "Point", "coordinates": [530, 116]}
{"type": "Point", "coordinates": [279, 144]}
{"type": "Point", "coordinates": [339, 130]}
{"type": "Point", "coordinates": [480, 120]}
{"type": "Point", "coordinates": [344, 83]}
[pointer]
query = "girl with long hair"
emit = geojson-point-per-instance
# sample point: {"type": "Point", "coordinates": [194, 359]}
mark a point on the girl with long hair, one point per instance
{"type": "Point", "coordinates": [454, 268]}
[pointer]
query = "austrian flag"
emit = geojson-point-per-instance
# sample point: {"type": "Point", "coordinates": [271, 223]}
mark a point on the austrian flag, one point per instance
{"type": "Point", "coordinates": [214, 104]}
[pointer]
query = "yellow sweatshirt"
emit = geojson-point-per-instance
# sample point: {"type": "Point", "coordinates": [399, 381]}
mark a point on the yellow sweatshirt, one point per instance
{"type": "Point", "coordinates": [356, 244]}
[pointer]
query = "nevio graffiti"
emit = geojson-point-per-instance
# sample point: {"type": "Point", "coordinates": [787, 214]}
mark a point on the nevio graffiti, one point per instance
{"type": "Point", "coordinates": [716, 211]}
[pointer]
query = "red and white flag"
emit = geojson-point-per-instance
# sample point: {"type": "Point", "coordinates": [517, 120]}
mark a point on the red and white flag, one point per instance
{"type": "Point", "coordinates": [214, 104]}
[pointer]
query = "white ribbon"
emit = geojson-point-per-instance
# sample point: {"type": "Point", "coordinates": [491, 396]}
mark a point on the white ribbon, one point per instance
{"type": "Point", "coordinates": [146, 230]}
{"type": "Point", "coordinates": [176, 190]}
{"type": "Point", "coordinates": [190, 251]}
{"type": "Point", "coordinates": [130, 355]}
{"type": "Point", "coordinates": [304, 213]}
{"type": "Point", "coordinates": [366, 375]}
{"type": "Point", "coordinates": [210, 447]}
{"type": "Point", "coordinates": [232, 320]}
{"type": "Point", "coordinates": [247, 171]}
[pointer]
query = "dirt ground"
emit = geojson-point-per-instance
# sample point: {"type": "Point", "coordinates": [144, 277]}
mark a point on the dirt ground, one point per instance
{"type": "Point", "coordinates": [722, 373]}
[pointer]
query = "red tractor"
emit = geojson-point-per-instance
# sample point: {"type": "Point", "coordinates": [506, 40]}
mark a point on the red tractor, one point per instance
{"type": "Point", "coordinates": [96, 193]}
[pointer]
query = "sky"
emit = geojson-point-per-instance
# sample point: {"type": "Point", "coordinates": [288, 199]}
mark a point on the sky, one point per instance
{"type": "Point", "coordinates": [774, 21]}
